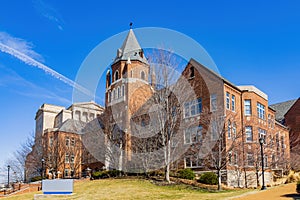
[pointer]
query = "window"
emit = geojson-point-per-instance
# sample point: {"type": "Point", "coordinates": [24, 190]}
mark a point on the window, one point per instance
{"type": "Point", "coordinates": [116, 75]}
{"type": "Point", "coordinates": [72, 142]}
{"type": "Point", "coordinates": [193, 135]}
{"type": "Point", "coordinates": [66, 172]}
{"type": "Point", "coordinates": [229, 129]}
{"type": "Point", "coordinates": [230, 157]}
{"type": "Point", "coordinates": [131, 73]}
{"type": "Point", "coordinates": [143, 75]}
{"type": "Point", "coordinates": [123, 90]}
{"type": "Point", "coordinates": [233, 103]}
{"type": "Point", "coordinates": [234, 129]}
{"type": "Point", "coordinates": [214, 130]}
{"type": "Point", "coordinates": [193, 162]}
{"type": "Point", "coordinates": [250, 160]}
{"type": "Point", "coordinates": [260, 111]}
{"type": "Point", "coordinates": [118, 92]}
{"type": "Point", "coordinates": [143, 123]}
{"type": "Point", "coordinates": [249, 135]}
{"type": "Point", "coordinates": [282, 142]}
{"type": "Point", "coordinates": [92, 116]}
{"type": "Point", "coordinates": [262, 134]}
{"type": "Point", "coordinates": [247, 107]}
{"type": "Point", "coordinates": [213, 102]}
{"type": "Point", "coordinates": [114, 94]}
{"type": "Point", "coordinates": [72, 158]}
{"type": "Point", "coordinates": [192, 72]}
{"type": "Point", "coordinates": [51, 141]}
{"type": "Point", "coordinates": [67, 141]}
{"type": "Point", "coordinates": [85, 117]}
{"type": "Point", "coordinates": [67, 158]}
{"type": "Point", "coordinates": [193, 108]}
{"type": "Point", "coordinates": [277, 142]}
{"type": "Point", "coordinates": [235, 158]}
{"type": "Point", "coordinates": [109, 96]}
{"type": "Point", "coordinates": [227, 100]}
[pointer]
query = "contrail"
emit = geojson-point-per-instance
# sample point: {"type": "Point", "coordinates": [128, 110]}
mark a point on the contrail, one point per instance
{"type": "Point", "coordinates": [30, 61]}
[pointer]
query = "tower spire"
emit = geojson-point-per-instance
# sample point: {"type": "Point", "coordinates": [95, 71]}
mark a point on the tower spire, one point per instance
{"type": "Point", "coordinates": [130, 25]}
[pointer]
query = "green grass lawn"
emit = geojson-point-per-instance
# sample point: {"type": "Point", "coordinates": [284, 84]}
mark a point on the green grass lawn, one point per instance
{"type": "Point", "coordinates": [134, 189]}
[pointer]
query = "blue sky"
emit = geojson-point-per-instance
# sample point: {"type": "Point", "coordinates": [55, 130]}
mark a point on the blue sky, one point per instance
{"type": "Point", "coordinates": [252, 42]}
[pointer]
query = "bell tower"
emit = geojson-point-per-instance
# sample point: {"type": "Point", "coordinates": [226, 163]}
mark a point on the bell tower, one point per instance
{"type": "Point", "coordinates": [127, 86]}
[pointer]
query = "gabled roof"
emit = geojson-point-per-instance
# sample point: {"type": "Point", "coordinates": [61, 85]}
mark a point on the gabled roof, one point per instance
{"type": "Point", "coordinates": [130, 49]}
{"type": "Point", "coordinates": [282, 108]}
{"type": "Point", "coordinates": [72, 126]}
{"type": "Point", "coordinates": [90, 104]}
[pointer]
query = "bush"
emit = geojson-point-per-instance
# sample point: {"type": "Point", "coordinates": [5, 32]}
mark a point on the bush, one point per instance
{"type": "Point", "coordinates": [292, 177]}
{"type": "Point", "coordinates": [100, 175]}
{"type": "Point", "coordinates": [36, 178]}
{"type": "Point", "coordinates": [209, 178]}
{"type": "Point", "coordinates": [106, 174]}
{"type": "Point", "coordinates": [298, 187]}
{"type": "Point", "coordinates": [186, 174]}
{"type": "Point", "coordinates": [115, 173]}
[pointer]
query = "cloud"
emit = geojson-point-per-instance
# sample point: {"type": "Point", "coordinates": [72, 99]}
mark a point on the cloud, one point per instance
{"type": "Point", "coordinates": [20, 49]}
{"type": "Point", "coordinates": [49, 12]}
{"type": "Point", "coordinates": [19, 45]}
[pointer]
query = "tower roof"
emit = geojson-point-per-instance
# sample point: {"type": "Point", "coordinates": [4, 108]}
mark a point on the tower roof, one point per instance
{"type": "Point", "coordinates": [130, 49]}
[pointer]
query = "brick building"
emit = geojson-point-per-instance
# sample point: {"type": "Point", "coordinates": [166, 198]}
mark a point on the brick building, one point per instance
{"type": "Point", "coordinates": [58, 141]}
{"type": "Point", "coordinates": [288, 114]}
{"type": "Point", "coordinates": [206, 109]}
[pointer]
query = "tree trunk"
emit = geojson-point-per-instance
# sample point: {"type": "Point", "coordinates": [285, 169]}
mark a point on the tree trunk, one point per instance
{"type": "Point", "coordinates": [257, 178]}
{"type": "Point", "coordinates": [167, 173]}
{"type": "Point", "coordinates": [219, 180]}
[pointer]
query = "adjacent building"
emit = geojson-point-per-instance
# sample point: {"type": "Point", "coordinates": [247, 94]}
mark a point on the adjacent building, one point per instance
{"type": "Point", "coordinates": [288, 114]}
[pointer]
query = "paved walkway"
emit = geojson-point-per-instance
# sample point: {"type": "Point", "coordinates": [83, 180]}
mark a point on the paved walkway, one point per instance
{"type": "Point", "coordinates": [282, 192]}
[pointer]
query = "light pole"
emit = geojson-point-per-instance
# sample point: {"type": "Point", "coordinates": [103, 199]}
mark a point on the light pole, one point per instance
{"type": "Point", "coordinates": [261, 142]}
{"type": "Point", "coordinates": [42, 172]}
{"type": "Point", "coordinates": [8, 168]}
{"type": "Point", "coordinates": [42, 168]}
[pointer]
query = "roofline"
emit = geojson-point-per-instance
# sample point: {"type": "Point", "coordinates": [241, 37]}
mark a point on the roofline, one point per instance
{"type": "Point", "coordinates": [291, 107]}
{"type": "Point", "coordinates": [215, 74]}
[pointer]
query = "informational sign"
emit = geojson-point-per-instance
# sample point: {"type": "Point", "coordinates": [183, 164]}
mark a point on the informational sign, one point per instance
{"type": "Point", "coordinates": [58, 186]}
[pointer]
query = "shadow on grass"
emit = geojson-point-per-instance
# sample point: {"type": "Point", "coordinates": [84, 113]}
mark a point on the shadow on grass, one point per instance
{"type": "Point", "coordinates": [294, 196]}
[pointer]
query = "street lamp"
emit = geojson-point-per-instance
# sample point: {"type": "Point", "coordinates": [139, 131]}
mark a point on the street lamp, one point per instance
{"type": "Point", "coordinates": [43, 168]}
{"type": "Point", "coordinates": [8, 168]}
{"type": "Point", "coordinates": [261, 142]}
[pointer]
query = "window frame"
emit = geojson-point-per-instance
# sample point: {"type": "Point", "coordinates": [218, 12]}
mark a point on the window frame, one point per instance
{"type": "Point", "coordinates": [261, 111]}
{"type": "Point", "coordinates": [233, 103]}
{"type": "Point", "coordinates": [247, 108]}
{"type": "Point", "coordinates": [227, 100]}
{"type": "Point", "coordinates": [192, 108]}
{"type": "Point", "coordinates": [249, 129]}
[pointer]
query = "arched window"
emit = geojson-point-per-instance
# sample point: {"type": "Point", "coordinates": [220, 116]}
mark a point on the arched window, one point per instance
{"type": "Point", "coordinates": [229, 129]}
{"type": "Point", "coordinates": [123, 90]}
{"type": "Point", "coordinates": [143, 75]}
{"type": "Point", "coordinates": [109, 96]}
{"type": "Point", "coordinates": [118, 92]}
{"type": "Point", "coordinates": [116, 75]}
{"type": "Point", "coordinates": [131, 73]}
{"type": "Point", "coordinates": [108, 80]}
{"type": "Point", "coordinates": [77, 115]}
{"type": "Point", "coordinates": [114, 94]}
{"type": "Point", "coordinates": [192, 72]}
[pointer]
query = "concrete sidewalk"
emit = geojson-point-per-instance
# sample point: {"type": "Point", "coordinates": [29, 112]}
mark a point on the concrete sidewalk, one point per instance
{"type": "Point", "coordinates": [282, 192]}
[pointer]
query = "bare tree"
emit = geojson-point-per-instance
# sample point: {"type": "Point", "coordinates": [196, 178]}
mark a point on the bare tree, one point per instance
{"type": "Point", "coordinates": [171, 91]}
{"type": "Point", "coordinates": [222, 140]}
